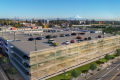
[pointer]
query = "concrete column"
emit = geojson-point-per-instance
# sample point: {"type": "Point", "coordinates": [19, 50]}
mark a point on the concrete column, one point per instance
{"type": "Point", "coordinates": [55, 60]}
{"type": "Point", "coordinates": [78, 54]}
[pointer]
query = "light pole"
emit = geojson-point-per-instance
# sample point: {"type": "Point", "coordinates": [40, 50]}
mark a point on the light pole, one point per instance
{"type": "Point", "coordinates": [35, 45]}
{"type": "Point", "coordinates": [64, 73]}
{"type": "Point", "coordinates": [14, 36]}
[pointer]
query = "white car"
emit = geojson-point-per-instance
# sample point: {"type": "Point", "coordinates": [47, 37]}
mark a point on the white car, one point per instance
{"type": "Point", "coordinates": [51, 41]}
{"type": "Point", "coordinates": [67, 42]}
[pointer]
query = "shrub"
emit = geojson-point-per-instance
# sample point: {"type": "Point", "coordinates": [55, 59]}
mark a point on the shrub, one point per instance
{"type": "Point", "coordinates": [98, 69]}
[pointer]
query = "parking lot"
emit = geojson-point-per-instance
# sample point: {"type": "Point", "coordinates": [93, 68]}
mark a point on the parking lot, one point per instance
{"type": "Point", "coordinates": [29, 46]}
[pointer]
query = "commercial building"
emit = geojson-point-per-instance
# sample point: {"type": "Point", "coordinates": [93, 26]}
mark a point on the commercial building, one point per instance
{"type": "Point", "coordinates": [48, 60]}
{"type": "Point", "coordinates": [45, 21]}
{"type": "Point", "coordinates": [81, 26]}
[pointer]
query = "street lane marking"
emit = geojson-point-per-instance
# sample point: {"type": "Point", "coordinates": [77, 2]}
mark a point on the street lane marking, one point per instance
{"type": "Point", "coordinates": [108, 72]}
{"type": "Point", "coordinates": [115, 75]}
{"type": "Point", "coordinates": [2, 74]}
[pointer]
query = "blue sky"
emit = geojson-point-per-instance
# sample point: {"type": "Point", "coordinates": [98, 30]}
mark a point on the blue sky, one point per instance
{"type": "Point", "coordinates": [38, 9]}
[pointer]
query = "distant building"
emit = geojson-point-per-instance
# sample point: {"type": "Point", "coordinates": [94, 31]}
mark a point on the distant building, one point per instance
{"type": "Point", "coordinates": [82, 22]}
{"type": "Point", "coordinates": [45, 21]}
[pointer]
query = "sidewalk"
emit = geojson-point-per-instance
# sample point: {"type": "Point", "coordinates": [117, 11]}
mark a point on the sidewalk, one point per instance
{"type": "Point", "coordinates": [95, 71]}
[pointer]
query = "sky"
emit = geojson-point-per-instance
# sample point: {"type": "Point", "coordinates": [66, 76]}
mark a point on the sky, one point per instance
{"type": "Point", "coordinates": [44, 9]}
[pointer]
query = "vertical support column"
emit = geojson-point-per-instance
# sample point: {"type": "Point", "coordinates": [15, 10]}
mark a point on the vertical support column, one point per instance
{"type": "Point", "coordinates": [96, 48]}
{"type": "Point", "coordinates": [55, 60]}
{"type": "Point", "coordinates": [78, 54]}
{"type": "Point", "coordinates": [37, 64]}
{"type": "Point", "coordinates": [67, 55]}
{"type": "Point", "coordinates": [87, 51]}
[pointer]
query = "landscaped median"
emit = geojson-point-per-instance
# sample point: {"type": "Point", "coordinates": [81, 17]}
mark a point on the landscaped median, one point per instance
{"type": "Point", "coordinates": [82, 69]}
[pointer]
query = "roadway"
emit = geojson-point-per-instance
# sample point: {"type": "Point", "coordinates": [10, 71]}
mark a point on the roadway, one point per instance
{"type": "Point", "coordinates": [2, 74]}
{"type": "Point", "coordinates": [110, 73]}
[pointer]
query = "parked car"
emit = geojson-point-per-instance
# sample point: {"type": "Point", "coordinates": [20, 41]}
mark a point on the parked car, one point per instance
{"type": "Point", "coordinates": [99, 36]}
{"type": "Point", "coordinates": [48, 31]}
{"type": "Point", "coordinates": [66, 30]}
{"type": "Point", "coordinates": [82, 33]}
{"type": "Point", "coordinates": [74, 34]}
{"type": "Point", "coordinates": [53, 30]}
{"type": "Point", "coordinates": [55, 44]}
{"type": "Point", "coordinates": [55, 36]}
{"type": "Point", "coordinates": [40, 38]}
{"type": "Point", "coordinates": [72, 41]}
{"type": "Point", "coordinates": [62, 35]}
{"type": "Point", "coordinates": [89, 38]}
{"type": "Point", "coordinates": [30, 39]}
{"type": "Point", "coordinates": [51, 41]}
{"type": "Point", "coordinates": [85, 39]}
{"type": "Point", "coordinates": [48, 36]}
{"type": "Point", "coordinates": [67, 42]}
{"type": "Point", "coordinates": [67, 34]}
{"type": "Point", "coordinates": [79, 37]}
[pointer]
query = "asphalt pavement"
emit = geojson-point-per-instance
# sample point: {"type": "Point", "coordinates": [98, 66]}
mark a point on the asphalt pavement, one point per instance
{"type": "Point", "coordinates": [2, 74]}
{"type": "Point", "coordinates": [112, 72]}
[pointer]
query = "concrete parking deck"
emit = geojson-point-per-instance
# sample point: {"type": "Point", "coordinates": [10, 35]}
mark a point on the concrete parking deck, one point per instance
{"type": "Point", "coordinates": [29, 46]}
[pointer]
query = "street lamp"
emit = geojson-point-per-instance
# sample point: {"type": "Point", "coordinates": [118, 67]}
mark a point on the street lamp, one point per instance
{"type": "Point", "coordinates": [35, 45]}
{"type": "Point", "coordinates": [14, 36]}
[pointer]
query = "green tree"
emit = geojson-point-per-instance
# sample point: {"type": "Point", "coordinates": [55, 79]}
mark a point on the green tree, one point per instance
{"type": "Point", "coordinates": [93, 67]}
{"type": "Point", "coordinates": [33, 21]}
{"type": "Point", "coordinates": [87, 22]}
{"type": "Point", "coordinates": [60, 23]}
{"type": "Point", "coordinates": [4, 59]}
{"type": "Point", "coordinates": [107, 57]}
{"type": "Point", "coordinates": [55, 22]}
{"type": "Point", "coordinates": [40, 23]}
{"type": "Point", "coordinates": [51, 26]}
{"type": "Point", "coordinates": [7, 22]}
{"type": "Point", "coordinates": [118, 52]}
{"type": "Point", "coordinates": [93, 21]}
{"type": "Point", "coordinates": [12, 71]}
{"type": "Point", "coordinates": [70, 25]}
{"type": "Point", "coordinates": [37, 24]}
{"type": "Point", "coordinates": [76, 22]}
{"type": "Point", "coordinates": [26, 21]}
{"type": "Point", "coordinates": [75, 73]}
